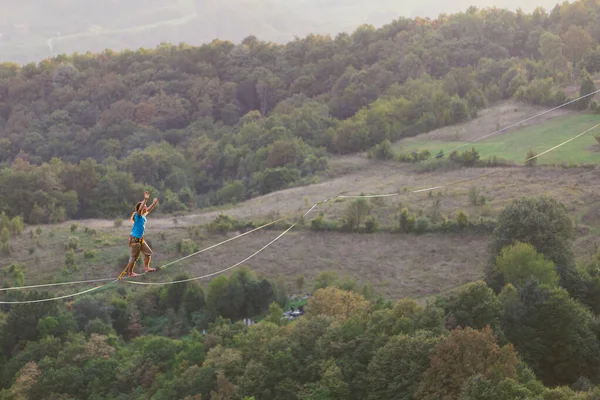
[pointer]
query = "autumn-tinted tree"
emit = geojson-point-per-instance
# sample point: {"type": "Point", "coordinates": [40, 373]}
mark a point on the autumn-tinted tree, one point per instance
{"type": "Point", "coordinates": [336, 303]}
{"type": "Point", "coordinates": [464, 353]}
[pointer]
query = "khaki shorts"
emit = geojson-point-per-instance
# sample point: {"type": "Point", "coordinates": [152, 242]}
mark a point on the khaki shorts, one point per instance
{"type": "Point", "coordinates": [135, 248]}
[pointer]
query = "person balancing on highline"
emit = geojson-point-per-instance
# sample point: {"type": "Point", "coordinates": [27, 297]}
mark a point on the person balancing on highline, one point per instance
{"type": "Point", "coordinates": [137, 244]}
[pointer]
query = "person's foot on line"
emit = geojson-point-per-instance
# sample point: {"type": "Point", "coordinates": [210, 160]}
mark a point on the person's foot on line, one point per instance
{"type": "Point", "coordinates": [150, 270]}
{"type": "Point", "coordinates": [133, 275]}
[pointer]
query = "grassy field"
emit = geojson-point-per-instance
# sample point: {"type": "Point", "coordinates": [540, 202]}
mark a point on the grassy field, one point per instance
{"type": "Point", "coordinates": [397, 265]}
{"type": "Point", "coordinates": [513, 145]}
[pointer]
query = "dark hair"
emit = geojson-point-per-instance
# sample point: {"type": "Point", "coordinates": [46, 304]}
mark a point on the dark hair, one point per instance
{"type": "Point", "coordinates": [137, 210]}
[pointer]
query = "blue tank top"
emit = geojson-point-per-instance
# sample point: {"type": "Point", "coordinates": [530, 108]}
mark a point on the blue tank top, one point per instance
{"type": "Point", "coordinates": [139, 225]}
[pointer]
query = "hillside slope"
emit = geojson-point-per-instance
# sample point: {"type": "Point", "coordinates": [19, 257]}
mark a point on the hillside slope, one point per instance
{"type": "Point", "coordinates": [417, 265]}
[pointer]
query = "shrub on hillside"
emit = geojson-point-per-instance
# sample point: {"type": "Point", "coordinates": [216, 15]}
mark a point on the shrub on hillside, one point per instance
{"type": "Point", "coordinates": [371, 224]}
{"type": "Point", "coordinates": [73, 243]}
{"type": "Point", "coordinates": [187, 246]}
{"type": "Point", "coordinates": [322, 224]}
{"type": "Point", "coordinates": [529, 161]}
{"type": "Point", "coordinates": [89, 253]}
{"type": "Point", "coordinates": [382, 151]}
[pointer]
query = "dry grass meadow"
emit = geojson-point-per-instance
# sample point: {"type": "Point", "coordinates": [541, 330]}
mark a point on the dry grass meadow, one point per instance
{"type": "Point", "coordinates": [398, 265]}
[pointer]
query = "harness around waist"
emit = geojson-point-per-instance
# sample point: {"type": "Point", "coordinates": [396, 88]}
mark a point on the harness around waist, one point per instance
{"type": "Point", "coordinates": [136, 240]}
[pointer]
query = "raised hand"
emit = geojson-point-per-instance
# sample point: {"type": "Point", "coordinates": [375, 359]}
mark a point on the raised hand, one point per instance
{"type": "Point", "coordinates": [155, 201]}
{"type": "Point", "coordinates": [146, 195]}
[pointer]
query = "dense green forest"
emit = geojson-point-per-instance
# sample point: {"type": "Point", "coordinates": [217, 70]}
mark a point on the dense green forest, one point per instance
{"type": "Point", "coordinates": [80, 135]}
{"type": "Point", "coordinates": [528, 332]}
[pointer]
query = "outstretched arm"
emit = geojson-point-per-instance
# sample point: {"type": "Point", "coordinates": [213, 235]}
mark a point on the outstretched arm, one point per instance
{"type": "Point", "coordinates": [140, 210]}
{"type": "Point", "coordinates": [154, 203]}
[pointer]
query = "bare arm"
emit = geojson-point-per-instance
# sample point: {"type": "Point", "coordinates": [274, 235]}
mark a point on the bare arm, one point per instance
{"type": "Point", "coordinates": [154, 203]}
{"type": "Point", "coordinates": [146, 195]}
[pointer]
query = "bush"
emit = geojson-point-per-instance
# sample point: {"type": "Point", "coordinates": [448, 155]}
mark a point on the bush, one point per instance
{"type": "Point", "coordinates": [74, 227]}
{"type": "Point", "coordinates": [16, 225]}
{"type": "Point", "coordinates": [221, 224]}
{"type": "Point", "coordinates": [187, 246]}
{"type": "Point", "coordinates": [462, 220]}
{"type": "Point", "coordinates": [195, 232]}
{"type": "Point", "coordinates": [322, 224]}
{"type": "Point", "coordinates": [407, 221]}
{"type": "Point", "coordinates": [436, 165]}
{"type": "Point", "coordinates": [528, 162]}
{"type": "Point", "coordinates": [118, 223]}
{"type": "Point", "coordinates": [356, 211]}
{"type": "Point", "coordinates": [468, 158]}
{"type": "Point", "coordinates": [70, 261]}
{"type": "Point", "coordinates": [414, 157]}
{"type": "Point", "coordinates": [90, 253]}
{"type": "Point", "coordinates": [371, 224]}
{"type": "Point", "coordinates": [73, 243]}
{"type": "Point", "coordinates": [422, 225]}
{"type": "Point", "coordinates": [224, 223]}
{"type": "Point", "coordinates": [382, 151]}
{"type": "Point", "coordinates": [4, 235]}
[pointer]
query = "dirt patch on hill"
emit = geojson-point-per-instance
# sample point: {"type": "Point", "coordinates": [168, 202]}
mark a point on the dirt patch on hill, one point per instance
{"type": "Point", "coordinates": [397, 265]}
{"type": "Point", "coordinates": [492, 119]}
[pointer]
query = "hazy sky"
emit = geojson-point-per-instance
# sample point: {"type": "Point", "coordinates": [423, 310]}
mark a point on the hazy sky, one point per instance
{"type": "Point", "coordinates": [433, 8]}
{"type": "Point", "coordinates": [31, 30]}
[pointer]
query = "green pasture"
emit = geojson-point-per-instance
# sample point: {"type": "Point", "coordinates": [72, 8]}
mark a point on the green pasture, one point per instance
{"type": "Point", "coordinates": [513, 144]}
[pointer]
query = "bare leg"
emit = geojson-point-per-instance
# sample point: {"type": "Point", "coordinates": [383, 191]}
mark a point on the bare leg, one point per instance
{"type": "Point", "coordinates": [130, 266]}
{"type": "Point", "coordinates": [147, 268]}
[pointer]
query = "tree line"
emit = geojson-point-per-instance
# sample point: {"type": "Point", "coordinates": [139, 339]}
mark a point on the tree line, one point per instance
{"type": "Point", "coordinates": [222, 122]}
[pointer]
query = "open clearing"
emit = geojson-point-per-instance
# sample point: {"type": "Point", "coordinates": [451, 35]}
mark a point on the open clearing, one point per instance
{"type": "Point", "coordinates": [397, 265]}
{"type": "Point", "coordinates": [513, 145]}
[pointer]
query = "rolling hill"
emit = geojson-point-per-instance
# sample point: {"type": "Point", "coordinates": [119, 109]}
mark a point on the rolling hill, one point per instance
{"type": "Point", "coordinates": [378, 259]}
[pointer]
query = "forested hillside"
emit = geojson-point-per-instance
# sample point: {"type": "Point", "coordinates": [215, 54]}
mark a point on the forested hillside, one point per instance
{"type": "Point", "coordinates": [80, 135]}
